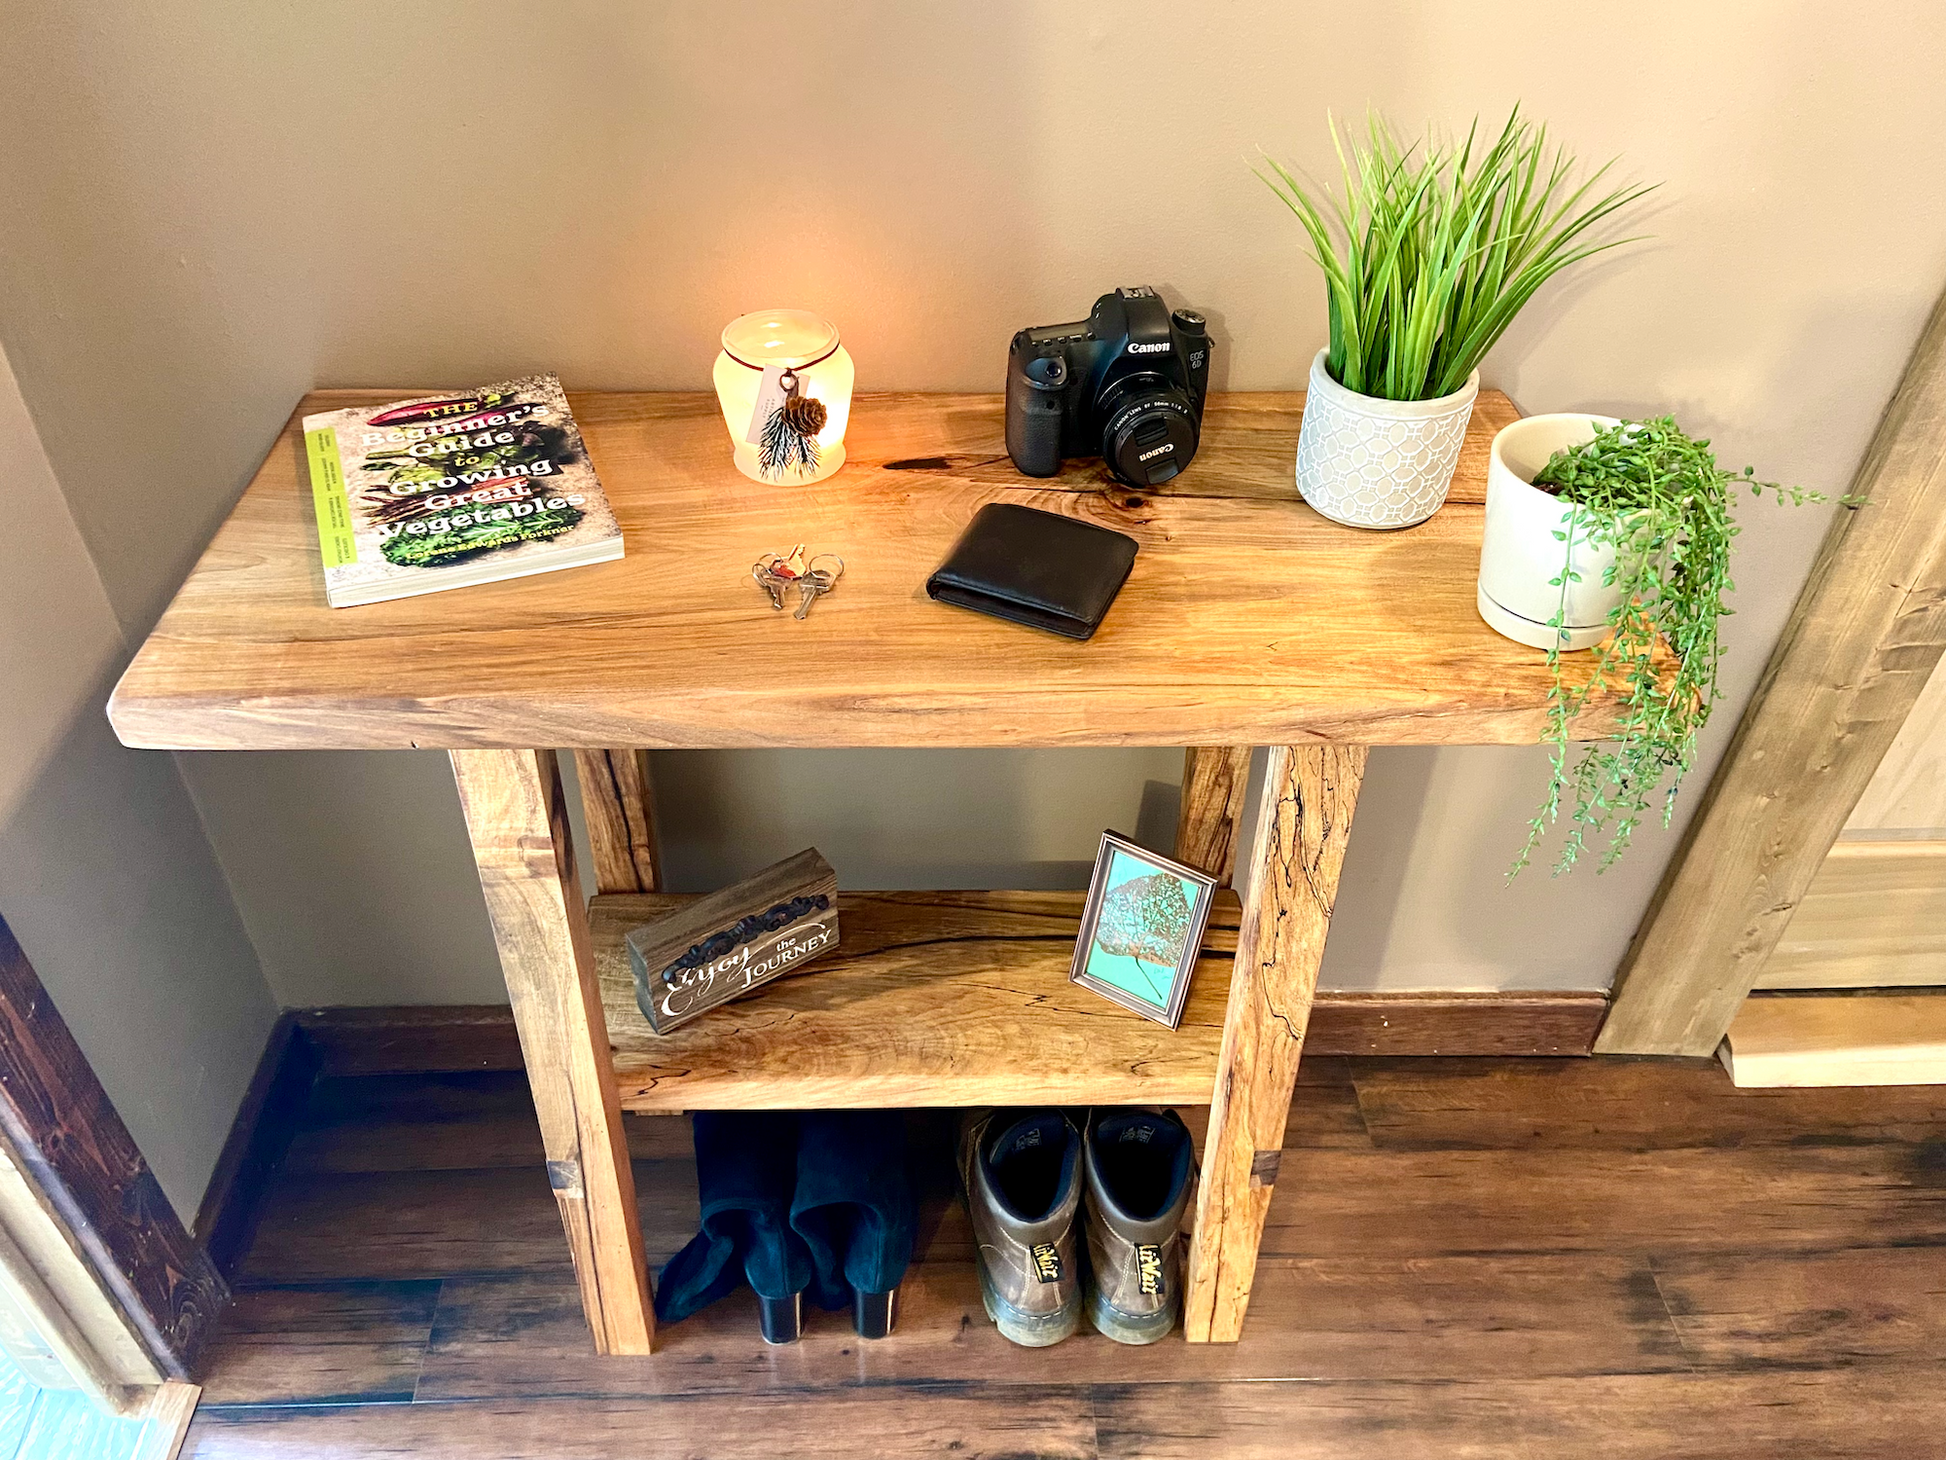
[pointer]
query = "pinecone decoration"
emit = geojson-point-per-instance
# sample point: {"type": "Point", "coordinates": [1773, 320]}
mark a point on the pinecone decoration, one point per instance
{"type": "Point", "coordinates": [805, 414]}
{"type": "Point", "coordinates": [789, 441]}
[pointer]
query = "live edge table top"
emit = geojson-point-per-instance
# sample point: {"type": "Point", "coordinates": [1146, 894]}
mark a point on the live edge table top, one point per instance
{"type": "Point", "coordinates": [1248, 618]}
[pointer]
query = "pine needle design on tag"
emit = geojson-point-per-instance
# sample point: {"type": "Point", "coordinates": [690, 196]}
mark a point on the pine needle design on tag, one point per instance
{"type": "Point", "coordinates": [790, 436]}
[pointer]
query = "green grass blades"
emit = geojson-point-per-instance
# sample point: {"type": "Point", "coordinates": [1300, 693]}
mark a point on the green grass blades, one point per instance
{"type": "Point", "coordinates": [1658, 497]}
{"type": "Point", "coordinates": [1430, 250]}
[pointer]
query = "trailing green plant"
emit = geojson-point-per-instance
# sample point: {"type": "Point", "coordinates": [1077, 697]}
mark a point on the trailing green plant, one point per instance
{"type": "Point", "coordinates": [1433, 250]}
{"type": "Point", "coordinates": [1657, 497]}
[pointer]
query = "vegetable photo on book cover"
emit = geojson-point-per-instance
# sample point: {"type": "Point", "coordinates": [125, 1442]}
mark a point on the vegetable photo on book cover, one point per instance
{"type": "Point", "coordinates": [453, 490]}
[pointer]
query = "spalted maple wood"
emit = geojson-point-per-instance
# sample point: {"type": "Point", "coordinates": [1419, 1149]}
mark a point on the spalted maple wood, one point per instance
{"type": "Point", "coordinates": [621, 818]}
{"type": "Point", "coordinates": [1214, 781]}
{"type": "Point", "coordinates": [516, 814]}
{"type": "Point", "coordinates": [1303, 823]}
{"type": "Point", "coordinates": [932, 998]}
{"type": "Point", "coordinates": [1248, 617]}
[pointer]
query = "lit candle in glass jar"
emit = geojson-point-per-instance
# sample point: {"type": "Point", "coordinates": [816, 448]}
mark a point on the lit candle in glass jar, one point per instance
{"type": "Point", "coordinates": [768, 359]}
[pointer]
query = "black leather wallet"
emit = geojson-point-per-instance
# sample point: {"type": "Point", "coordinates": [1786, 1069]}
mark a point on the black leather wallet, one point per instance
{"type": "Point", "coordinates": [1035, 568]}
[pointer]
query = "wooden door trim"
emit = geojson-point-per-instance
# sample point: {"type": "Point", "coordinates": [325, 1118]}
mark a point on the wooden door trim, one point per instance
{"type": "Point", "coordinates": [1860, 645]}
{"type": "Point", "coordinates": [64, 1135]}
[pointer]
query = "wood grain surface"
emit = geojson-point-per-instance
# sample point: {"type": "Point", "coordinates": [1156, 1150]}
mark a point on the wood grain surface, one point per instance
{"type": "Point", "coordinates": [516, 815]}
{"type": "Point", "coordinates": [933, 998]}
{"type": "Point", "coordinates": [1908, 790]}
{"type": "Point", "coordinates": [1852, 662]}
{"type": "Point", "coordinates": [1873, 916]}
{"type": "Point", "coordinates": [67, 1138]}
{"type": "Point", "coordinates": [1847, 1037]}
{"type": "Point", "coordinates": [620, 809]}
{"type": "Point", "coordinates": [1248, 618]}
{"type": "Point", "coordinates": [1215, 779]}
{"type": "Point", "coordinates": [1303, 826]}
{"type": "Point", "coordinates": [420, 1039]}
{"type": "Point", "coordinates": [1527, 1258]}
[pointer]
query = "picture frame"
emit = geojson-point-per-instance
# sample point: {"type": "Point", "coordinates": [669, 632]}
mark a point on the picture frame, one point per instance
{"type": "Point", "coordinates": [1154, 908]}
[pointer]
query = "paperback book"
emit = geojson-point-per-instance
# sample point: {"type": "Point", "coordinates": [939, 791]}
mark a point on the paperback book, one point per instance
{"type": "Point", "coordinates": [452, 490]}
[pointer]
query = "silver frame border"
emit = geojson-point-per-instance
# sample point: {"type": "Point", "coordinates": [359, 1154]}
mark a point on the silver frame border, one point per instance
{"type": "Point", "coordinates": [1112, 842]}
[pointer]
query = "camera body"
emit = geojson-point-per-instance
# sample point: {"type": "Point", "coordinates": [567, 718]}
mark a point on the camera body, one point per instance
{"type": "Point", "coordinates": [1126, 384]}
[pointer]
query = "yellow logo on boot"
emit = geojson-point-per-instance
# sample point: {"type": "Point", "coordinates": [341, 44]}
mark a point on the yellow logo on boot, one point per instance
{"type": "Point", "coordinates": [1047, 1262]}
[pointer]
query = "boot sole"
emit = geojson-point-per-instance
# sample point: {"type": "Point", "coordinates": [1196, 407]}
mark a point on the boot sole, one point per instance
{"type": "Point", "coordinates": [1029, 1330]}
{"type": "Point", "coordinates": [1122, 1328]}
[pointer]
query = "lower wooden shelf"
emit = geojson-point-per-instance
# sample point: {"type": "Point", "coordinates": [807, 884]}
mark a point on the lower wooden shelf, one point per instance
{"type": "Point", "coordinates": [933, 998]}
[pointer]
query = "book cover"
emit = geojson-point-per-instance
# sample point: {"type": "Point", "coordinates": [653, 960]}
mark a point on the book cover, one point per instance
{"type": "Point", "coordinates": [451, 490]}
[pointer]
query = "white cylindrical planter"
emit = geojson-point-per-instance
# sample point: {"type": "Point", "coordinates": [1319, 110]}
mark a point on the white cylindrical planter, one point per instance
{"type": "Point", "coordinates": [1368, 462]}
{"type": "Point", "coordinates": [1520, 557]}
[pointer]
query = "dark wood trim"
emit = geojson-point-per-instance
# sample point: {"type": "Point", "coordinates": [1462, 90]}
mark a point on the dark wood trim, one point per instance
{"type": "Point", "coordinates": [61, 1125]}
{"type": "Point", "coordinates": [260, 1135]}
{"type": "Point", "coordinates": [412, 1038]}
{"type": "Point", "coordinates": [1436, 1021]}
{"type": "Point", "coordinates": [423, 1039]}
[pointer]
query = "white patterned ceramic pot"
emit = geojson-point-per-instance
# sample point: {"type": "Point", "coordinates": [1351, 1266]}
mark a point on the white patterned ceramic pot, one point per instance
{"type": "Point", "coordinates": [1368, 462]}
{"type": "Point", "coordinates": [1522, 583]}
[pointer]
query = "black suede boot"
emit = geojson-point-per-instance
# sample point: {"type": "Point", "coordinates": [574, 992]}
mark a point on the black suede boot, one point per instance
{"type": "Point", "coordinates": [853, 1208]}
{"type": "Point", "coordinates": [746, 1162]}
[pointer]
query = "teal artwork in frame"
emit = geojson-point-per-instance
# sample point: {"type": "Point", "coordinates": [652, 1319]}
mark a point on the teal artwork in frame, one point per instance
{"type": "Point", "coordinates": [1142, 929]}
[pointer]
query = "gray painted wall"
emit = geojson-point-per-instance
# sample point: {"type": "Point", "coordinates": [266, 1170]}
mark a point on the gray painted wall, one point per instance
{"type": "Point", "coordinates": [105, 875]}
{"type": "Point", "coordinates": [213, 206]}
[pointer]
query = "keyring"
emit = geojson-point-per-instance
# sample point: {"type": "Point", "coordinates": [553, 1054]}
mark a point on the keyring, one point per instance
{"type": "Point", "coordinates": [774, 572]}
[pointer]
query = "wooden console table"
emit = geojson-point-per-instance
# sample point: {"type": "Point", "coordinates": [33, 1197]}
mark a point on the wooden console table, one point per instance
{"type": "Point", "coordinates": [1248, 620]}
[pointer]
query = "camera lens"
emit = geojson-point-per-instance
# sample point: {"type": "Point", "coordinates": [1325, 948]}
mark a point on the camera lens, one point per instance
{"type": "Point", "coordinates": [1151, 433]}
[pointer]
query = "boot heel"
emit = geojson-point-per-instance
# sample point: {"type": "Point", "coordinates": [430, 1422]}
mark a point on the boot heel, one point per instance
{"type": "Point", "coordinates": [873, 1314]}
{"type": "Point", "coordinates": [781, 1320]}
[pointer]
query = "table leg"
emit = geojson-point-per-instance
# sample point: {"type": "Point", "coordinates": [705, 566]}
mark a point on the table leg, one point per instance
{"type": "Point", "coordinates": [516, 813]}
{"type": "Point", "coordinates": [1303, 821]}
{"type": "Point", "coordinates": [1214, 781]}
{"type": "Point", "coordinates": [615, 797]}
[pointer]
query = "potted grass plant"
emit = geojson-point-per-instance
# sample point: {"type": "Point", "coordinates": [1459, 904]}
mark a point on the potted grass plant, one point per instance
{"type": "Point", "coordinates": [1634, 520]}
{"type": "Point", "coordinates": [1428, 256]}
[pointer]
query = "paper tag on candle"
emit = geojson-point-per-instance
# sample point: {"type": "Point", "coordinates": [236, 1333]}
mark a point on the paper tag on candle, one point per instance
{"type": "Point", "coordinates": [770, 398]}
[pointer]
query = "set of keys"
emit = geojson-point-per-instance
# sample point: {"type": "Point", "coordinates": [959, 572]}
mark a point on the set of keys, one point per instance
{"type": "Point", "coordinates": [811, 577]}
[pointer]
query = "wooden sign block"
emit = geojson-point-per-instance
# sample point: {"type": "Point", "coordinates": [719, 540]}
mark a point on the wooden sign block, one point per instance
{"type": "Point", "coordinates": [722, 946]}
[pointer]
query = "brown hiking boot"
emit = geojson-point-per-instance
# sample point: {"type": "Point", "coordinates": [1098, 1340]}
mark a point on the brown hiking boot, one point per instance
{"type": "Point", "coordinates": [1138, 1166]}
{"type": "Point", "coordinates": [1021, 1175]}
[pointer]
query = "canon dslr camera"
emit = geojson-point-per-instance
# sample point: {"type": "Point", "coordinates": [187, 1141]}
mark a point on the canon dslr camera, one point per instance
{"type": "Point", "coordinates": [1125, 384]}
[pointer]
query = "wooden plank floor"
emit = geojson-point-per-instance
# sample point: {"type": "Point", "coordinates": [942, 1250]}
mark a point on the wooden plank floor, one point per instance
{"type": "Point", "coordinates": [1465, 1258]}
